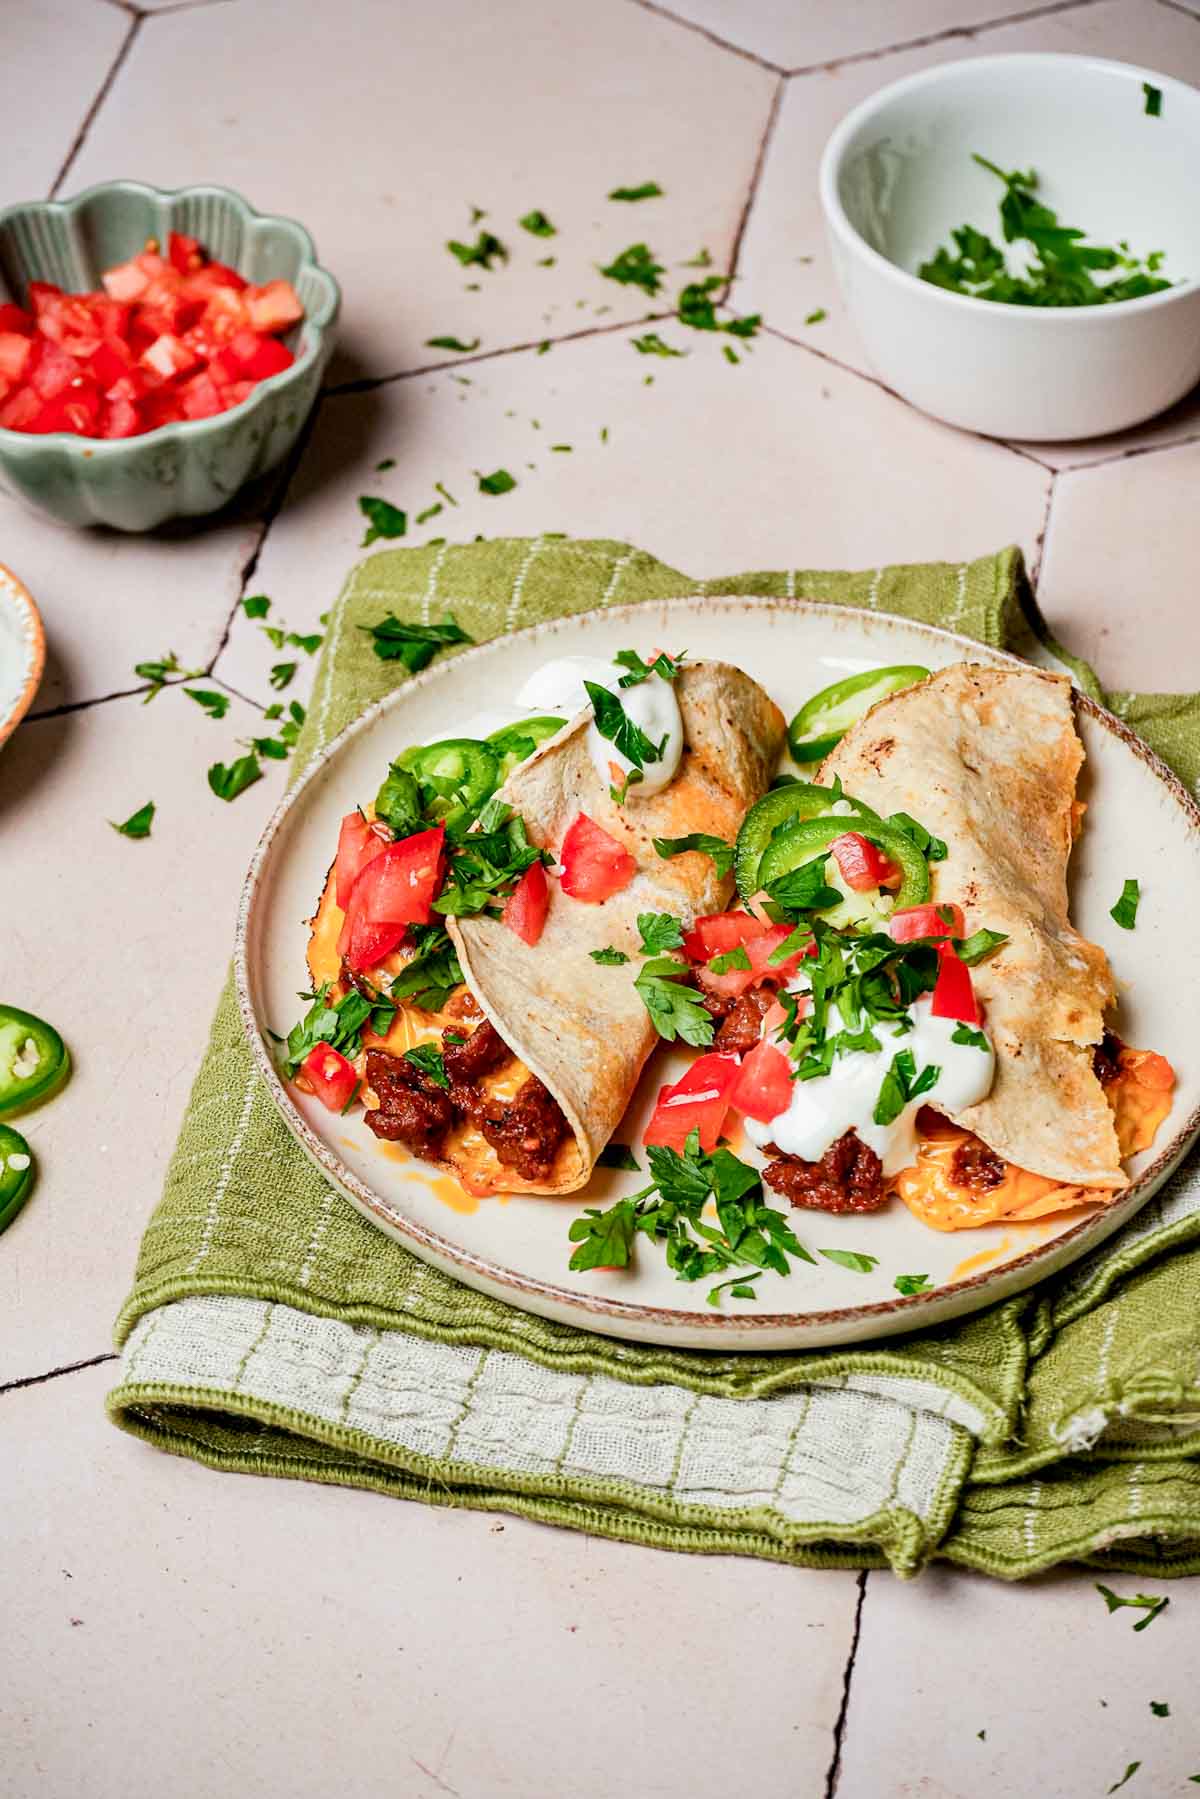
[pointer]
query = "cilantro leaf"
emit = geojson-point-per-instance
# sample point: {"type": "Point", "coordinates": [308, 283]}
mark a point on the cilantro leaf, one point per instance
{"type": "Point", "coordinates": [215, 704]}
{"type": "Point", "coordinates": [393, 640]}
{"type": "Point", "coordinates": [965, 1033]}
{"type": "Point", "coordinates": [384, 520]}
{"type": "Point", "coordinates": [912, 1283]}
{"type": "Point", "coordinates": [433, 971]}
{"type": "Point", "coordinates": [256, 605]}
{"type": "Point", "coordinates": [645, 190]}
{"type": "Point", "coordinates": [608, 957]}
{"type": "Point", "coordinates": [615, 725]}
{"type": "Point", "coordinates": [980, 944]}
{"type": "Point", "coordinates": [281, 675]}
{"type": "Point", "coordinates": [932, 848]}
{"type": "Point", "coordinates": [340, 1025]}
{"type": "Point", "coordinates": [901, 1085]}
{"type": "Point", "coordinates": [850, 1258]}
{"type": "Point", "coordinates": [734, 958]}
{"type": "Point", "coordinates": [659, 931]}
{"type": "Point", "coordinates": [310, 644]}
{"type": "Point", "coordinates": [1160, 1708]}
{"type": "Point", "coordinates": [538, 224]}
{"type": "Point", "coordinates": [675, 1010]}
{"type": "Point", "coordinates": [1125, 911]}
{"type": "Point", "coordinates": [618, 1155]}
{"type": "Point", "coordinates": [651, 344]}
{"type": "Point", "coordinates": [483, 252]}
{"type": "Point", "coordinates": [816, 317]}
{"type": "Point", "coordinates": [1130, 1771]}
{"type": "Point", "coordinates": [499, 481]}
{"type": "Point", "coordinates": [227, 783]}
{"type": "Point", "coordinates": [738, 1285]}
{"type": "Point", "coordinates": [1150, 1603]}
{"type": "Point", "coordinates": [451, 343]}
{"type": "Point", "coordinates": [638, 670]}
{"type": "Point", "coordinates": [157, 672]}
{"type": "Point", "coordinates": [387, 463]}
{"type": "Point", "coordinates": [138, 823]}
{"type": "Point", "coordinates": [604, 1239]}
{"type": "Point", "coordinates": [636, 267]}
{"type": "Point", "coordinates": [1153, 107]}
{"type": "Point", "coordinates": [429, 1059]}
{"type": "Point", "coordinates": [698, 311]}
{"type": "Point", "coordinates": [805, 889]}
{"type": "Point", "coordinates": [716, 849]}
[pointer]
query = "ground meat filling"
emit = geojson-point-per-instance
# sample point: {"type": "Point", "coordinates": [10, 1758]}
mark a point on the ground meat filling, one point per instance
{"type": "Point", "coordinates": [413, 1110]}
{"type": "Point", "coordinates": [739, 1030]}
{"type": "Point", "coordinates": [976, 1166]}
{"type": "Point", "coordinates": [468, 1058]}
{"type": "Point", "coordinates": [1106, 1059]}
{"type": "Point", "coordinates": [848, 1178]}
{"type": "Point", "coordinates": [525, 1133]}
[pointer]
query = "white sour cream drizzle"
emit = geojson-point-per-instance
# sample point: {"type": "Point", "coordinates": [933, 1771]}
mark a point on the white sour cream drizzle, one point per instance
{"type": "Point", "coordinates": [822, 1110]}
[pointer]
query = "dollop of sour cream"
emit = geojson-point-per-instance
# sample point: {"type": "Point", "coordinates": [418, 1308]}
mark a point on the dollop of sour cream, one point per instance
{"type": "Point", "coordinates": [651, 705]}
{"type": "Point", "coordinates": [822, 1110]}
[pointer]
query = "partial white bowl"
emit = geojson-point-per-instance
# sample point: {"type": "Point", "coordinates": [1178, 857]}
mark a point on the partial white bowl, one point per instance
{"type": "Point", "coordinates": [22, 652]}
{"type": "Point", "coordinates": [897, 177]}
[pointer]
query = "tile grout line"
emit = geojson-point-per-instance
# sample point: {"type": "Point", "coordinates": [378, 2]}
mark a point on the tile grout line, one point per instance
{"type": "Point", "coordinates": [839, 1728]}
{"type": "Point", "coordinates": [1185, 11]}
{"type": "Point", "coordinates": [36, 1380]}
{"type": "Point", "coordinates": [711, 37]}
{"type": "Point", "coordinates": [105, 88]}
{"type": "Point", "coordinates": [773, 111]}
{"type": "Point", "coordinates": [1039, 555]}
{"type": "Point", "coordinates": [940, 37]}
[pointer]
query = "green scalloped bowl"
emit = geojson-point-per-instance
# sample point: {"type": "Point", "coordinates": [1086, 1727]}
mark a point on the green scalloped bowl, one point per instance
{"type": "Point", "coordinates": [177, 471]}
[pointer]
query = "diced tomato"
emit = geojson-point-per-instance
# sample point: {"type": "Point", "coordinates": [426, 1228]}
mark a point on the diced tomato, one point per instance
{"type": "Point", "coordinates": [14, 318]}
{"type": "Point", "coordinates": [699, 1101]}
{"type": "Point", "coordinates": [132, 386]}
{"type": "Point", "coordinates": [211, 279]}
{"type": "Point", "coordinates": [237, 391]}
{"type": "Point", "coordinates": [184, 252]}
{"type": "Point", "coordinates": [200, 397]}
{"type": "Point", "coordinates": [150, 262]}
{"type": "Point", "coordinates": [108, 363]}
{"type": "Point", "coordinates": [273, 307]}
{"type": "Point", "coordinates": [862, 865]}
{"type": "Point", "coordinates": [168, 356]}
{"type": "Point", "coordinates": [359, 842]}
{"type": "Point", "coordinates": [16, 354]}
{"type": "Point", "coordinates": [53, 371]}
{"type": "Point", "coordinates": [759, 950]}
{"type": "Point", "coordinates": [20, 409]}
{"type": "Point", "coordinates": [594, 865]}
{"type": "Point", "coordinates": [526, 906]}
{"type": "Point", "coordinates": [953, 995]}
{"type": "Point", "coordinates": [400, 885]}
{"type": "Point", "coordinates": [719, 932]}
{"type": "Point", "coordinates": [925, 921]}
{"type": "Point", "coordinates": [362, 942]}
{"type": "Point", "coordinates": [75, 409]}
{"type": "Point", "coordinates": [42, 297]}
{"type": "Point", "coordinates": [763, 1087]}
{"type": "Point", "coordinates": [120, 418]}
{"type": "Point", "coordinates": [125, 282]}
{"type": "Point", "coordinates": [112, 316]}
{"type": "Point", "coordinates": [268, 357]}
{"type": "Point", "coordinates": [330, 1076]}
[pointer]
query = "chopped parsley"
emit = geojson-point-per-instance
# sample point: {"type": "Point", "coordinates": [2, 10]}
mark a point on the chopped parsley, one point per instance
{"type": "Point", "coordinates": [310, 644]}
{"type": "Point", "coordinates": [608, 957]}
{"type": "Point", "coordinates": [804, 889]}
{"type": "Point", "coordinates": [339, 1024]}
{"type": "Point", "coordinates": [729, 353]}
{"type": "Point", "coordinates": [256, 605]}
{"type": "Point", "coordinates": [499, 481]}
{"type": "Point", "coordinates": [1160, 1708]}
{"type": "Point", "coordinates": [1153, 107]}
{"type": "Point", "coordinates": [816, 317]}
{"type": "Point", "coordinates": [387, 463]}
{"type": "Point", "coordinates": [913, 1283]}
{"type": "Point", "coordinates": [1150, 1603]}
{"type": "Point", "coordinates": [430, 512]}
{"type": "Point", "coordinates": [281, 675]}
{"type": "Point", "coordinates": [660, 931]}
{"type": "Point", "coordinates": [227, 783]}
{"type": "Point", "coordinates": [701, 260]}
{"type": "Point", "coordinates": [488, 864]}
{"type": "Point", "coordinates": [215, 704]}
{"type": "Point", "coordinates": [651, 344]}
{"type": "Point", "coordinates": [850, 1258]}
{"type": "Point", "coordinates": [1125, 911]}
{"type": "Point", "coordinates": [562, 449]}
{"type": "Point", "coordinates": [439, 487]}
{"type": "Point", "coordinates": [138, 823]}
{"type": "Point", "coordinates": [615, 725]}
{"type": "Point", "coordinates": [157, 673]}
{"type": "Point", "coordinates": [901, 1085]}
{"type": "Point", "coordinates": [383, 520]}
{"type": "Point", "coordinates": [538, 224]}
{"type": "Point", "coordinates": [428, 1058]}
{"type": "Point", "coordinates": [932, 848]}
{"type": "Point", "coordinates": [1130, 1771]}
{"type": "Point", "coordinates": [965, 1033]}
{"type": "Point", "coordinates": [636, 267]}
{"type": "Point", "coordinates": [618, 1155]}
{"type": "Point", "coordinates": [697, 310]}
{"type": "Point", "coordinates": [1060, 270]}
{"type": "Point", "coordinates": [451, 343]}
{"type": "Point", "coordinates": [645, 190]}
{"type": "Point", "coordinates": [675, 1010]}
{"type": "Point", "coordinates": [734, 958]}
{"type": "Point", "coordinates": [484, 251]}
{"type": "Point", "coordinates": [750, 1235]}
{"type": "Point", "coordinates": [664, 666]}
{"type": "Point", "coordinates": [979, 944]}
{"type": "Point", "coordinates": [414, 645]}
{"type": "Point", "coordinates": [432, 972]}
{"type": "Point", "coordinates": [719, 853]}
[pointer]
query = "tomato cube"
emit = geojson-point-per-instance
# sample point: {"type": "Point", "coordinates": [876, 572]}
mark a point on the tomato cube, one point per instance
{"type": "Point", "coordinates": [200, 397]}
{"type": "Point", "coordinates": [21, 407]}
{"type": "Point", "coordinates": [594, 864]}
{"type": "Point", "coordinates": [42, 296]}
{"type": "Point", "coordinates": [168, 355]}
{"type": "Point", "coordinates": [110, 361]}
{"type": "Point", "coordinates": [697, 1102]}
{"type": "Point", "coordinates": [75, 409]}
{"type": "Point", "coordinates": [526, 907]}
{"type": "Point", "coordinates": [184, 252]}
{"type": "Point", "coordinates": [213, 277]}
{"type": "Point", "coordinates": [359, 841]}
{"type": "Point", "coordinates": [236, 392]}
{"type": "Point", "coordinates": [125, 282]}
{"type": "Point", "coordinates": [926, 921]}
{"type": "Point", "coordinates": [16, 354]}
{"type": "Point", "coordinates": [120, 418]}
{"type": "Point", "coordinates": [330, 1076]}
{"type": "Point", "coordinates": [763, 1088]}
{"type": "Point", "coordinates": [399, 885]}
{"type": "Point", "coordinates": [52, 371]}
{"type": "Point", "coordinates": [14, 318]}
{"type": "Point", "coordinates": [273, 307]}
{"type": "Point", "coordinates": [150, 262]}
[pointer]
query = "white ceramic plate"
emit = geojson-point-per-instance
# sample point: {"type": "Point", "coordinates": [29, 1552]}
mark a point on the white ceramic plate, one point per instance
{"type": "Point", "coordinates": [22, 652]}
{"type": "Point", "coordinates": [1140, 821]}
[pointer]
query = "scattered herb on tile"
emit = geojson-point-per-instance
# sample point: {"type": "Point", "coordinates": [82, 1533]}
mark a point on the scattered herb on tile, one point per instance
{"type": "Point", "coordinates": [499, 481]}
{"type": "Point", "coordinates": [729, 353]}
{"type": "Point", "coordinates": [604, 434]}
{"type": "Point", "coordinates": [215, 704]}
{"type": "Point", "coordinates": [1130, 1771]}
{"type": "Point", "coordinates": [484, 251]}
{"type": "Point", "coordinates": [227, 783]}
{"type": "Point", "coordinates": [281, 674]}
{"type": "Point", "coordinates": [1150, 1603]}
{"type": "Point", "coordinates": [1153, 95]}
{"type": "Point", "coordinates": [618, 1155]}
{"type": "Point", "coordinates": [451, 343]}
{"type": "Point", "coordinates": [719, 853]}
{"type": "Point", "coordinates": [651, 344]}
{"type": "Point", "coordinates": [1060, 272]}
{"type": "Point", "coordinates": [138, 823]}
{"type": "Point", "coordinates": [257, 605]}
{"type": "Point", "coordinates": [912, 1283]}
{"type": "Point", "coordinates": [543, 347]}
{"type": "Point", "coordinates": [463, 381]}
{"type": "Point", "coordinates": [982, 1735]}
{"type": "Point", "coordinates": [447, 496]}
{"type": "Point", "coordinates": [157, 672]}
{"type": "Point", "coordinates": [701, 260]}
{"type": "Point", "coordinates": [817, 316]}
{"type": "Point", "coordinates": [309, 643]}
{"type": "Point", "coordinates": [430, 512]}
{"type": "Point", "coordinates": [276, 635]}
{"type": "Point", "coordinates": [1125, 911]}
{"type": "Point", "coordinates": [274, 711]}
{"type": "Point", "coordinates": [546, 262]}
{"type": "Point", "coordinates": [697, 310]}
{"type": "Point", "coordinates": [1160, 1708]}
{"type": "Point", "coordinates": [538, 224]}
{"type": "Point", "coordinates": [636, 267]}
{"type": "Point", "coordinates": [383, 519]}
{"type": "Point", "coordinates": [414, 645]}
{"type": "Point", "coordinates": [608, 957]}
{"type": "Point", "coordinates": [645, 190]}
{"type": "Point", "coordinates": [387, 463]}
{"type": "Point", "coordinates": [850, 1258]}
{"type": "Point", "coordinates": [562, 449]}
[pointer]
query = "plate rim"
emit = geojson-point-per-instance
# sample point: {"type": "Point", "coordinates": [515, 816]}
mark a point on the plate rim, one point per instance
{"type": "Point", "coordinates": [733, 1331]}
{"type": "Point", "coordinates": [11, 583]}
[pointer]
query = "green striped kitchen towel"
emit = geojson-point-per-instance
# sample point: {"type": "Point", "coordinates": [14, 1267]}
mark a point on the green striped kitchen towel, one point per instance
{"type": "Point", "coordinates": [272, 1330]}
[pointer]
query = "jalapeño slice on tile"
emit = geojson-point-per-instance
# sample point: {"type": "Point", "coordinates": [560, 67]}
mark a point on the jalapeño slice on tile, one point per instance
{"type": "Point", "coordinates": [824, 720]}
{"type": "Point", "coordinates": [34, 1061]}
{"type": "Point", "coordinates": [16, 1174]}
{"type": "Point", "coordinates": [777, 809]}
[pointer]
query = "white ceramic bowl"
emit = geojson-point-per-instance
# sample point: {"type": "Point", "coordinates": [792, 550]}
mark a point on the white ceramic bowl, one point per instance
{"type": "Point", "coordinates": [897, 176]}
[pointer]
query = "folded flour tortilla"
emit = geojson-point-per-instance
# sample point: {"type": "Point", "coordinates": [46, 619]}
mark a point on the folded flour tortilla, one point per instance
{"type": "Point", "coordinates": [987, 759]}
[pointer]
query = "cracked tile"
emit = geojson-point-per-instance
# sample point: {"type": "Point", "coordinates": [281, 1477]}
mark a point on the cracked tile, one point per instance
{"type": "Point", "coordinates": [133, 999]}
{"type": "Point", "coordinates": [800, 37]}
{"type": "Point", "coordinates": [781, 460]}
{"type": "Point", "coordinates": [785, 268]}
{"type": "Point", "coordinates": [1119, 571]}
{"type": "Point", "coordinates": [56, 56]}
{"type": "Point", "coordinates": [453, 119]}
